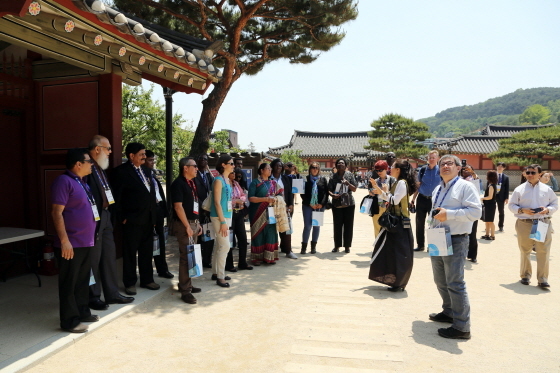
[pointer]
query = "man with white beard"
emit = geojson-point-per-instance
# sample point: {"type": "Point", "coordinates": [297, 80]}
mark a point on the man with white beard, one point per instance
{"type": "Point", "coordinates": [103, 255]}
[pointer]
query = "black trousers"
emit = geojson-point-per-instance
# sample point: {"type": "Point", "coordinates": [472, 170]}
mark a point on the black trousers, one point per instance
{"type": "Point", "coordinates": [239, 232]}
{"type": "Point", "coordinates": [159, 260]}
{"type": "Point", "coordinates": [473, 243]}
{"type": "Point", "coordinates": [138, 238]}
{"type": "Point", "coordinates": [343, 226]}
{"type": "Point", "coordinates": [423, 208]}
{"type": "Point", "coordinates": [501, 214]}
{"type": "Point", "coordinates": [73, 285]}
{"type": "Point", "coordinates": [104, 261]}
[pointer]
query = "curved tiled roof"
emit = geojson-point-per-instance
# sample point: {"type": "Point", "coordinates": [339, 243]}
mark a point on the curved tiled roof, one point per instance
{"type": "Point", "coordinates": [328, 144]}
{"type": "Point", "coordinates": [494, 130]}
{"type": "Point", "coordinates": [183, 48]}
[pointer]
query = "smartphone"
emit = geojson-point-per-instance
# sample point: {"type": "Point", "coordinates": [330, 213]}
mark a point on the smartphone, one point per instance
{"type": "Point", "coordinates": [434, 213]}
{"type": "Point", "coordinates": [463, 163]}
{"type": "Point", "coordinates": [537, 210]}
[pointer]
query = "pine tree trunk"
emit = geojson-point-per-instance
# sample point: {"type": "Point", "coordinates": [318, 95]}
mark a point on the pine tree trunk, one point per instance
{"type": "Point", "coordinates": [210, 108]}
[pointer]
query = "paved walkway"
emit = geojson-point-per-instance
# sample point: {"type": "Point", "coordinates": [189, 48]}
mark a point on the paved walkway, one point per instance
{"type": "Point", "coordinates": [320, 313]}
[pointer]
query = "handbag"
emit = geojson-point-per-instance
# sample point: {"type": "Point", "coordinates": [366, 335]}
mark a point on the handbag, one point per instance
{"type": "Point", "coordinates": [389, 220]}
{"type": "Point", "coordinates": [208, 201]}
{"type": "Point", "coordinates": [483, 212]}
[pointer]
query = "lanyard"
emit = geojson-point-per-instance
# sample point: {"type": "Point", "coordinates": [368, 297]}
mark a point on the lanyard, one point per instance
{"type": "Point", "coordinates": [228, 189]}
{"type": "Point", "coordinates": [142, 176]}
{"type": "Point", "coordinates": [445, 195]}
{"type": "Point", "coordinates": [101, 177]}
{"type": "Point", "coordinates": [192, 185]}
{"type": "Point", "coordinates": [87, 190]}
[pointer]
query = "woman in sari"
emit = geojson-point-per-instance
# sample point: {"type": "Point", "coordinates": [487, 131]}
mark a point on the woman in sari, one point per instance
{"type": "Point", "coordinates": [264, 237]}
{"type": "Point", "coordinates": [392, 265]}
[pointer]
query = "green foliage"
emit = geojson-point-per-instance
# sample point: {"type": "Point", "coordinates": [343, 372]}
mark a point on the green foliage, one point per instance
{"type": "Point", "coordinates": [398, 134]}
{"type": "Point", "coordinates": [220, 143]}
{"type": "Point", "coordinates": [527, 147]}
{"type": "Point", "coordinates": [294, 156]}
{"type": "Point", "coordinates": [504, 110]}
{"type": "Point", "coordinates": [254, 33]}
{"type": "Point", "coordinates": [554, 107]}
{"type": "Point", "coordinates": [535, 115]}
{"type": "Point", "coordinates": [144, 122]}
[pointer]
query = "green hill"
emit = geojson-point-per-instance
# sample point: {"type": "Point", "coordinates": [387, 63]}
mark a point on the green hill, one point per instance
{"type": "Point", "coordinates": [500, 110]}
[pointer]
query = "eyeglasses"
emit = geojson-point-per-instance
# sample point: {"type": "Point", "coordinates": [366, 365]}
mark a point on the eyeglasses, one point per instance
{"type": "Point", "coordinates": [313, 168]}
{"type": "Point", "coordinates": [192, 165]}
{"type": "Point", "coordinates": [448, 164]}
{"type": "Point", "coordinates": [530, 172]}
{"type": "Point", "coordinates": [88, 161]}
{"type": "Point", "coordinates": [106, 147]}
{"type": "Point", "coordinates": [230, 163]}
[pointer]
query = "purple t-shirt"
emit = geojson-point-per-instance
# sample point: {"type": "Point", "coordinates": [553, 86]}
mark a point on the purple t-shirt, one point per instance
{"type": "Point", "coordinates": [77, 214]}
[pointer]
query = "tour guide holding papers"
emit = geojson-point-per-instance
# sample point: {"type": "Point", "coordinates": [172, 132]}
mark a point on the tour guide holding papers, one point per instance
{"type": "Point", "coordinates": [456, 205]}
{"type": "Point", "coordinates": [530, 202]}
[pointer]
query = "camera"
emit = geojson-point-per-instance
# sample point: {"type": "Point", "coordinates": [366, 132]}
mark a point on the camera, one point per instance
{"type": "Point", "coordinates": [463, 162]}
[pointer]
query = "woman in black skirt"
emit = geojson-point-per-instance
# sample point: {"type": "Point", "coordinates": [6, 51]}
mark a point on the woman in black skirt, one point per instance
{"type": "Point", "coordinates": [394, 251]}
{"type": "Point", "coordinates": [489, 201]}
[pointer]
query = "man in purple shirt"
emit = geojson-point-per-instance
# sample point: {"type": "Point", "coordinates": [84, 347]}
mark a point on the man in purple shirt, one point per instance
{"type": "Point", "coordinates": [75, 217]}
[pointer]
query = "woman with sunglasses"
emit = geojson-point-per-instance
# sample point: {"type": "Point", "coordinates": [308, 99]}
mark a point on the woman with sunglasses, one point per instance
{"type": "Point", "coordinates": [238, 223]}
{"type": "Point", "coordinates": [379, 205]}
{"type": "Point", "coordinates": [221, 210]}
{"type": "Point", "coordinates": [314, 199]}
{"type": "Point", "coordinates": [489, 201]}
{"type": "Point", "coordinates": [392, 265]}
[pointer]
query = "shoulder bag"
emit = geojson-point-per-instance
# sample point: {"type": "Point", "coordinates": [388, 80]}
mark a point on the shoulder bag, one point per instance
{"type": "Point", "coordinates": [389, 220]}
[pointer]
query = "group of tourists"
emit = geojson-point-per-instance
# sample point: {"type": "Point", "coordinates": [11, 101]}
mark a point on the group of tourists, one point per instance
{"type": "Point", "coordinates": [211, 208]}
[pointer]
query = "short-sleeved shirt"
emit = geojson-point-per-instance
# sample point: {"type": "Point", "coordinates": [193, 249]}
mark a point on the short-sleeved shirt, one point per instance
{"type": "Point", "coordinates": [224, 198]}
{"type": "Point", "coordinates": [429, 180]}
{"type": "Point", "coordinates": [183, 193]}
{"type": "Point", "coordinates": [77, 214]}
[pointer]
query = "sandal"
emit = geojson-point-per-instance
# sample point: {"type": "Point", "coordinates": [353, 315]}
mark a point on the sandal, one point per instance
{"type": "Point", "coordinates": [492, 238]}
{"type": "Point", "coordinates": [486, 237]}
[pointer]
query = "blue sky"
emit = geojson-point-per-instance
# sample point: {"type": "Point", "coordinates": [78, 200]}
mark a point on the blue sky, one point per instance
{"type": "Point", "coordinates": [415, 58]}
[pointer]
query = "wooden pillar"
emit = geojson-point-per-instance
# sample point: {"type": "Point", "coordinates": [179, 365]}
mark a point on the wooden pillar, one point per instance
{"type": "Point", "coordinates": [110, 113]}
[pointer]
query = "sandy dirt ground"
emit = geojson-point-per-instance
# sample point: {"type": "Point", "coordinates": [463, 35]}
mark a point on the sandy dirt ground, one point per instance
{"type": "Point", "coordinates": [320, 313]}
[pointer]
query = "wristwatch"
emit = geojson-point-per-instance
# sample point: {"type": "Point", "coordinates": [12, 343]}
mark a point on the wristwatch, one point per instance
{"type": "Point", "coordinates": [520, 211]}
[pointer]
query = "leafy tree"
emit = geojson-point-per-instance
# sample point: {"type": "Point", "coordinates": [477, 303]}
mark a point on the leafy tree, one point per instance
{"type": "Point", "coordinates": [294, 156]}
{"type": "Point", "coordinates": [220, 143]}
{"type": "Point", "coordinates": [251, 148]}
{"type": "Point", "coordinates": [554, 107]}
{"type": "Point", "coordinates": [255, 33]}
{"type": "Point", "coordinates": [528, 147]}
{"type": "Point", "coordinates": [535, 115]}
{"type": "Point", "coordinates": [144, 121]}
{"type": "Point", "coordinates": [398, 134]}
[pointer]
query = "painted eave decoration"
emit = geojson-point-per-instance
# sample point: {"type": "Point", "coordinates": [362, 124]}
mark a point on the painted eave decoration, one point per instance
{"type": "Point", "coordinates": [128, 43]}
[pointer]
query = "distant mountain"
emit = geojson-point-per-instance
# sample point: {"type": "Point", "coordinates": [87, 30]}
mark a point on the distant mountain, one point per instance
{"type": "Point", "coordinates": [500, 110]}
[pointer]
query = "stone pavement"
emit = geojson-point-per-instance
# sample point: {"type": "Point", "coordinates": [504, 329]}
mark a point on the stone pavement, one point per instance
{"type": "Point", "coordinates": [320, 313]}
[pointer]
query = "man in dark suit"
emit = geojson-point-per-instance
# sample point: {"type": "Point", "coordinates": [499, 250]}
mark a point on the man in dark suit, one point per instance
{"type": "Point", "coordinates": [203, 182]}
{"type": "Point", "coordinates": [238, 162]}
{"type": "Point", "coordinates": [137, 211]}
{"type": "Point", "coordinates": [159, 260]}
{"type": "Point", "coordinates": [103, 255]}
{"type": "Point", "coordinates": [502, 197]}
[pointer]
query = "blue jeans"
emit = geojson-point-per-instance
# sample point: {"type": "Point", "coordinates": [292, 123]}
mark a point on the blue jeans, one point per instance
{"type": "Point", "coordinates": [307, 225]}
{"type": "Point", "coordinates": [450, 282]}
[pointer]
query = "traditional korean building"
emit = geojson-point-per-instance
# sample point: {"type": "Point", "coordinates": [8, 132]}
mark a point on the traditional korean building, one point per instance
{"type": "Point", "coordinates": [475, 149]}
{"type": "Point", "coordinates": [326, 147]}
{"type": "Point", "coordinates": [62, 65]}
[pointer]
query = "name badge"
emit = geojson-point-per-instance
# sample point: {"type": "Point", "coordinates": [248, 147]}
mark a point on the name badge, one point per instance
{"type": "Point", "coordinates": [95, 213]}
{"type": "Point", "coordinates": [229, 206]}
{"type": "Point", "coordinates": [195, 208]}
{"type": "Point", "coordinates": [109, 195]}
{"type": "Point", "coordinates": [499, 187]}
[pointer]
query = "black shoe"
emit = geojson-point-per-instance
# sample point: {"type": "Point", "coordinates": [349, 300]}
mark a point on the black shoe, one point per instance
{"type": "Point", "coordinates": [215, 277]}
{"type": "Point", "coordinates": [474, 260]}
{"type": "Point", "coordinates": [166, 275]}
{"type": "Point", "coordinates": [231, 269]}
{"type": "Point", "coordinates": [346, 250]}
{"type": "Point", "coordinates": [98, 305]}
{"type": "Point", "coordinates": [544, 285]}
{"type": "Point", "coordinates": [90, 318]}
{"type": "Point", "coordinates": [222, 284]}
{"type": "Point", "coordinates": [441, 317]}
{"type": "Point", "coordinates": [501, 230]}
{"type": "Point", "coordinates": [394, 289]}
{"type": "Point", "coordinates": [335, 250]}
{"type": "Point", "coordinates": [196, 290]}
{"type": "Point", "coordinates": [313, 247]}
{"type": "Point", "coordinates": [246, 267]}
{"type": "Point", "coordinates": [453, 333]}
{"type": "Point", "coordinates": [419, 249]}
{"type": "Point", "coordinates": [150, 286]}
{"type": "Point", "coordinates": [206, 265]}
{"type": "Point", "coordinates": [525, 281]}
{"type": "Point", "coordinates": [188, 298]}
{"type": "Point", "coordinates": [120, 299]}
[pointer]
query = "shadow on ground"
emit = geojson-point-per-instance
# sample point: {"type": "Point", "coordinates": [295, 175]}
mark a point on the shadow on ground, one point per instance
{"type": "Point", "coordinates": [425, 333]}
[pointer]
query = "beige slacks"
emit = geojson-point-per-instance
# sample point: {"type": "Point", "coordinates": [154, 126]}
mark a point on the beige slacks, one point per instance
{"type": "Point", "coordinates": [221, 249]}
{"type": "Point", "coordinates": [523, 229]}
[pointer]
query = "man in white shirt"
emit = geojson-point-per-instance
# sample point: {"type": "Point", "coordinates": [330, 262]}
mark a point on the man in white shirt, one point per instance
{"type": "Point", "coordinates": [530, 202]}
{"type": "Point", "coordinates": [456, 204]}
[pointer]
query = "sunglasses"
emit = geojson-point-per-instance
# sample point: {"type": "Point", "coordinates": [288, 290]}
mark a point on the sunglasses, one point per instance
{"type": "Point", "coordinates": [88, 161]}
{"type": "Point", "coordinates": [380, 169]}
{"type": "Point", "coordinates": [314, 168]}
{"type": "Point", "coordinates": [230, 163]}
{"type": "Point", "coordinates": [530, 172]}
